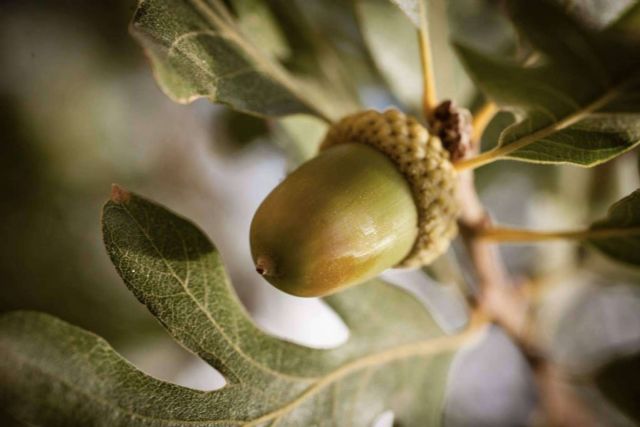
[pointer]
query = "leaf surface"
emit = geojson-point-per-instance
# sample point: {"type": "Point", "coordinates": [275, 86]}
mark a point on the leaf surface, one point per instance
{"type": "Point", "coordinates": [619, 381]}
{"type": "Point", "coordinates": [396, 357]}
{"type": "Point", "coordinates": [578, 103]}
{"type": "Point", "coordinates": [411, 9]}
{"type": "Point", "coordinates": [300, 137]}
{"type": "Point", "coordinates": [620, 231]}
{"type": "Point", "coordinates": [629, 22]}
{"type": "Point", "coordinates": [597, 14]}
{"type": "Point", "coordinates": [199, 49]}
{"type": "Point", "coordinates": [260, 25]}
{"type": "Point", "coordinates": [323, 52]}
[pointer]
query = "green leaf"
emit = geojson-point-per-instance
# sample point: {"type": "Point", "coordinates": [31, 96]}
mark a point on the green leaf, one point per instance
{"type": "Point", "coordinates": [233, 131]}
{"type": "Point", "coordinates": [300, 136]}
{"type": "Point", "coordinates": [198, 49]}
{"type": "Point", "coordinates": [396, 357]}
{"type": "Point", "coordinates": [482, 23]}
{"type": "Point", "coordinates": [411, 9]}
{"type": "Point", "coordinates": [260, 25]}
{"type": "Point", "coordinates": [579, 103]}
{"type": "Point", "coordinates": [618, 235]}
{"type": "Point", "coordinates": [321, 53]}
{"type": "Point", "coordinates": [393, 44]}
{"type": "Point", "coordinates": [628, 23]}
{"type": "Point", "coordinates": [619, 381]}
{"type": "Point", "coordinates": [597, 14]}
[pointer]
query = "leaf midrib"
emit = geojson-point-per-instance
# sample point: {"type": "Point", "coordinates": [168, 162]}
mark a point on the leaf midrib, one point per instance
{"type": "Point", "coordinates": [552, 161]}
{"type": "Point", "coordinates": [598, 232]}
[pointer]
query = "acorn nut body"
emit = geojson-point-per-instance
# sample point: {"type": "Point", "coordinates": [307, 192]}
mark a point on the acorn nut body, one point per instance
{"type": "Point", "coordinates": [341, 218]}
{"type": "Point", "coordinates": [380, 194]}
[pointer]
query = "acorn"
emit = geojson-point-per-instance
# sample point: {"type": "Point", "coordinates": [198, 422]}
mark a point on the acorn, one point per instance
{"type": "Point", "coordinates": [380, 194]}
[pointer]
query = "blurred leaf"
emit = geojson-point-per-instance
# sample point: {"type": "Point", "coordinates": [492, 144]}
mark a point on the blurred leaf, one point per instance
{"type": "Point", "coordinates": [300, 136]}
{"type": "Point", "coordinates": [322, 49]}
{"type": "Point", "coordinates": [623, 225]}
{"type": "Point", "coordinates": [411, 9]}
{"type": "Point", "coordinates": [259, 25]}
{"type": "Point", "coordinates": [50, 242]}
{"type": "Point", "coordinates": [233, 130]}
{"type": "Point", "coordinates": [452, 80]}
{"type": "Point", "coordinates": [580, 104]}
{"type": "Point", "coordinates": [199, 50]}
{"type": "Point", "coordinates": [629, 22]}
{"type": "Point", "coordinates": [55, 374]}
{"type": "Point", "coordinates": [597, 14]}
{"type": "Point", "coordinates": [393, 44]}
{"type": "Point", "coordinates": [319, 46]}
{"type": "Point", "coordinates": [619, 381]}
{"type": "Point", "coordinates": [482, 24]}
{"type": "Point", "coordinates": [245, 129]}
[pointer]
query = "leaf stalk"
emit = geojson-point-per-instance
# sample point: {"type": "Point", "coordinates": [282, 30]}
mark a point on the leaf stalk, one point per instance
{"type": "Point", "coordinates": [481, 119]}
{"type": "Point", "coordinates": [518, 235]}
{"type": "Point", "coordinates": [429, 95]}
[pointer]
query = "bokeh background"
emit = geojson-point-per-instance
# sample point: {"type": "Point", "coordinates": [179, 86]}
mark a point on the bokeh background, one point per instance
{"type": "Point", "coordinates": [79, 110]}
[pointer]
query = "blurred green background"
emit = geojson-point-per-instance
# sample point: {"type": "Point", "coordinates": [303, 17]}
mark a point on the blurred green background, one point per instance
{"type": "Point", "coordinates": [77, 114]}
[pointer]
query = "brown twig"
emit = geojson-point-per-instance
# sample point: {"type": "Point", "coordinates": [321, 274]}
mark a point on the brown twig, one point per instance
{"type": "Point", "coordinates": [502, 302]}
{"type": "Point", "coordinates": [511, 308]}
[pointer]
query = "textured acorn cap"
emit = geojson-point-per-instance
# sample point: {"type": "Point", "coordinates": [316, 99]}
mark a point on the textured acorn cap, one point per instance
{"type": "Point", "coordinates": [338, 220]}
{"type": "Point", "coordinates": [424, 163]}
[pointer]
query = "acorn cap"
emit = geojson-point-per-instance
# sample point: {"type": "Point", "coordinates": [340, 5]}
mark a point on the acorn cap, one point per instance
{"type": "Point", "coordinates": [339, 219]}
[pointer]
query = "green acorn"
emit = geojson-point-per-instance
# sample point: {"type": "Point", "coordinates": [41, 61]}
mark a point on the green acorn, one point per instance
{"type": "Point", "coordinates": [380, 194]}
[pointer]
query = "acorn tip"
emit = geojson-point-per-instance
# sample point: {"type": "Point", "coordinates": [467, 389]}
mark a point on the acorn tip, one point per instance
{"type": "Point", "coordinates": [264, 266]}
{"type": "Point", "coordinates": [119, 194]}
